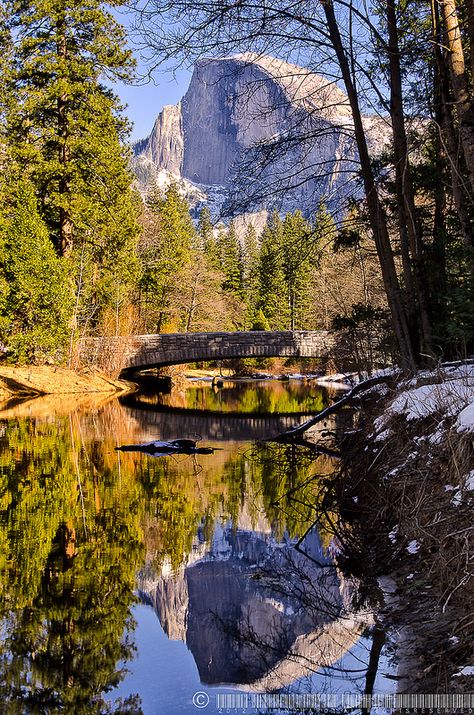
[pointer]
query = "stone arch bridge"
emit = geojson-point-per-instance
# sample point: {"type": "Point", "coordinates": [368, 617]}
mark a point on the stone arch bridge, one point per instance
{"type": "Point", "coordinates": [141, 352]}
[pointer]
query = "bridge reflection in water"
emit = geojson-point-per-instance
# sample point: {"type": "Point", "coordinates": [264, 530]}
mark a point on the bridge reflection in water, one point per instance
{"type": "Point", "coordinates": [170, 423]}
{"type": "Point", "coordinates": [241, 411]}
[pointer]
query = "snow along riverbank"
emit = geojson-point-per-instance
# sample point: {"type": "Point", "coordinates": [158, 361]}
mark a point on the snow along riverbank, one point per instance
{"type": "Point", "coordinates": [414, 446]}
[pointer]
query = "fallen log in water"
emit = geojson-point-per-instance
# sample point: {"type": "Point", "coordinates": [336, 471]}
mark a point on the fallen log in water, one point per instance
{"type": "Point", "coordinates": [164, 448]}
{"type": "Point", "coordinates": [297, 431]}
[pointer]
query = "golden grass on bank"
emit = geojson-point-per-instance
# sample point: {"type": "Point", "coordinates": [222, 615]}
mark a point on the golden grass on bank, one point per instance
{"type": "Point", "coordinates": [31, 380]}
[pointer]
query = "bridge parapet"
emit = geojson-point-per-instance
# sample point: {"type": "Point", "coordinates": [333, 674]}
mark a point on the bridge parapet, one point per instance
{"type": "Point", "coordinates": [160, 350]}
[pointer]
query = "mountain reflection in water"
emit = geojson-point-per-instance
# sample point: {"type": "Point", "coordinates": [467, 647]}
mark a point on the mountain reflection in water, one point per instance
{"type": "Point", "coordinates": [207, 539]}
{"type": "Point", "coordinates": [254, 611]}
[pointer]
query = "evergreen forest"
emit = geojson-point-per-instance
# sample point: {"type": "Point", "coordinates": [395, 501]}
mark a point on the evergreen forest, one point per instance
{"type": "Point", "coordinates": [82, 253]}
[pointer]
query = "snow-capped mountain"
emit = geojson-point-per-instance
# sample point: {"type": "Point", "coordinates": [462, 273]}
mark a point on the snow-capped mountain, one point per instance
{"type": "Point", "coordinates": [254, 133]}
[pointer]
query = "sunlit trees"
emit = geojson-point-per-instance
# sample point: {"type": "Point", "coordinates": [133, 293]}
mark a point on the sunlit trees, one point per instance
{"type": "Point", "coordinates": [250, 256]}
{"type": "Point", "coordinates": [232, 266]}
{"type": "Point", "coordinates": [164, 250]}
{"type": "Point", "coordinates": [64, 125]}
{"type": "Point", "coordinates": [63, 132]}
{"type": "Point", "coordinates": [287, 262]}
{"type": "Point", "coordinates": [298, 261]}
{"type": "Point", "coordinates": [35, 297]}
{"type": "Point", "coordinates": [273, 299]}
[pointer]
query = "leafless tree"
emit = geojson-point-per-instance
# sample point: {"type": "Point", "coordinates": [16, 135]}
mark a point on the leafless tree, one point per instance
{"type": "Point", "coordinates": [340, 40]}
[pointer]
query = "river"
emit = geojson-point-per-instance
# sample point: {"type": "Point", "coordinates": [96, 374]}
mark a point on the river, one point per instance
{"type": "Point", "coordinates": [170, 585]}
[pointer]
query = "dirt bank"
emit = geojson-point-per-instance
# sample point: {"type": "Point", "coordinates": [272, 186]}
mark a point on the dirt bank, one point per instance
{"type": "Point", "coordinates": [408, 496]}
{"type": "Point", "coordinates": [46, 380]}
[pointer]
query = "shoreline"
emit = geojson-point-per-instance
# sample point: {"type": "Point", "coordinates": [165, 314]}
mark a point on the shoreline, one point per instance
{"type": "Point", "coordinates": [34, 381]}
{"type": "Point", "coordinates": [30, 381]}
{"type": "Point", "coordinates": [412, 515]}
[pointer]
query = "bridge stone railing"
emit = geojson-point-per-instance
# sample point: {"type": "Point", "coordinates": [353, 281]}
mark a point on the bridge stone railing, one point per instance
{"type": "Point", "coordinates": [145, 351]}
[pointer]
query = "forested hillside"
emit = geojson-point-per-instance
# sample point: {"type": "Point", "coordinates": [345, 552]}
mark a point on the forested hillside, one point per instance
{"type": "Point", "coordinates": [82, 254]}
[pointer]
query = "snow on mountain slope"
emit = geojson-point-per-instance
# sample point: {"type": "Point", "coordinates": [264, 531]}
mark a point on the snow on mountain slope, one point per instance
{"type": "Point", "coordinates": [254, 133]}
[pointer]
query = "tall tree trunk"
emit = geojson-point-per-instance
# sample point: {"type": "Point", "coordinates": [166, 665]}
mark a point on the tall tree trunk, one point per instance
{"type": "Point", "coordinates": [65, 223]}
{"type": "Point", "coordinates": [460, 84]}
{"type": "Point", "coordinates": [192, 307]}
{"type": "Point", "coordinates": [470, 29]}
{"type": "Point", "coordinates": [439, 274]}
{"type": "Point", "coordinates": [444, 117]}
{"type": "Point", "coordinates": [378, 642]}
{"type": "Point", "coordinates": [405, 192]}
{"type": "Point", "coordinates": [377, 216]}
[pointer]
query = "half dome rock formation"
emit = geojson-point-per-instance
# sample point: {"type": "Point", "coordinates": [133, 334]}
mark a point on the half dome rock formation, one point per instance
{"type": "Point", "coordinates": [254, 133]}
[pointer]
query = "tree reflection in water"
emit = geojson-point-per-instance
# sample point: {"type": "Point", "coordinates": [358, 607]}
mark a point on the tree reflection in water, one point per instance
{"type": "Point", "coordinates": [211, 536]}
{"type": "Point", "coordinates": [70, 547]}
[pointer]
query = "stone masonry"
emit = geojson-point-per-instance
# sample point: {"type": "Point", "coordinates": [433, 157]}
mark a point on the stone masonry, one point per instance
{"type": "Point", "coordinates": [146, 351]}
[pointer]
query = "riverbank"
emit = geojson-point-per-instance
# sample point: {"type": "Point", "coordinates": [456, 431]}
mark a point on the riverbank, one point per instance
{"type": "Point", "coordinates": [407, 493]}
{"type": "Point", "coordinates": [35, 380]}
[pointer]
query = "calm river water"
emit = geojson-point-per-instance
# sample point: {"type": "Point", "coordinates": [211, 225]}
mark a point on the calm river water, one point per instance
{"type": "Point", "coordinates": [173, 585]}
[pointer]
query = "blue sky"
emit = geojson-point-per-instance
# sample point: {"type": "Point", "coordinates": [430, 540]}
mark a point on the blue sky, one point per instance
{"type": "Point", "coordinates": [146, 100]}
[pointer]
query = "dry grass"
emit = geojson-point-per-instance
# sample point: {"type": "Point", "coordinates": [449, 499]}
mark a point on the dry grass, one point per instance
{"type": "Point", "coordinates": [42, 380]}
{"type": "Point", "coordinates": [413, 523]}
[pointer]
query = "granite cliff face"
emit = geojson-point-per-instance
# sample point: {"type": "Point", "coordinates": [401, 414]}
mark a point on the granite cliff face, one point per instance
{"type": "Point", "coordinates": [253, 133]}
{"type": "Point", "coordinates": [165, 145]}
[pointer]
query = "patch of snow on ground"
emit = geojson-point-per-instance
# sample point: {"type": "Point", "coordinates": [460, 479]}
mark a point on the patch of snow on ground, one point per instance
{"type": "Point", "coordinates": [393, 534]}
{"type": "Point", "coordinates": [436, 437]}
{"type": "Point", "coordinates": [469, 485]}
{"type": "Point", "coordinates": [467, 670]}
{"type": "Point", "coordinates": [379, 423]}
{"type": "Point", "coordinates": [465, 420]}
{"type": "Point", "coordinates": [339, 380]}
{"type": "Point", "coordinates": [413, 547]}
{"type": "Point", "coordinates": [457, 499]}
{"type": "Point", "coordinates": [453, 396]}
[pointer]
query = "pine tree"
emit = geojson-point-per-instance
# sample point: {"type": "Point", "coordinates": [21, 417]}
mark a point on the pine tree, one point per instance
{"type": "Point", "coordinates": [64, 125]}
{"type": "Point", "coordinates": [6, 53]}
{"type": "Point", "coordinates": [273, 296]}
{"type": "Point", "coordinates": [231, 261]}
{"type": "Point", "coordinates": [214, 246]}
{"type": "Point", "coordinates": [205, 231]}
{"type": "Point", "coordinates": [298, 252]}
{"type": "Point", "coordinates": [35, 290]}
{"type": "Point", "coordinates": [251, 253]}
{"type": "Point", "coordinates": [165, 251]}
{"type": "Point", "coordinates": [212, 253]}
{"type": "Point", "coordinates": [176, 225]}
